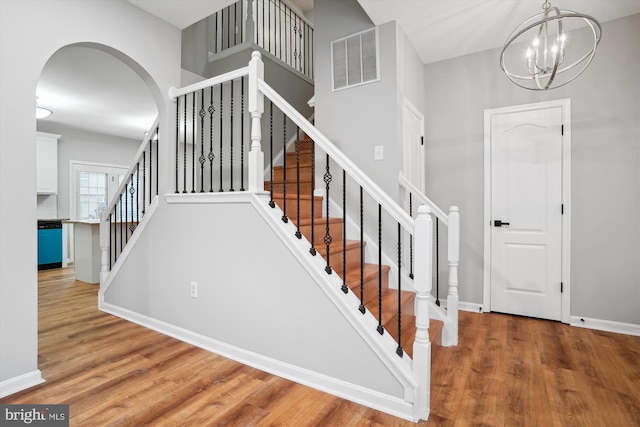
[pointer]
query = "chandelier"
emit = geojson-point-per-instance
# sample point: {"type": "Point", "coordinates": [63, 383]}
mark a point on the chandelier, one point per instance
{"type": "Point", "coordinates": [540, 55]}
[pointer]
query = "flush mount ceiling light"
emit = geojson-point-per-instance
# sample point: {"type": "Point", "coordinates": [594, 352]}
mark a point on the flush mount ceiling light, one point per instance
{"type": "Point", "coordinates": [41, 113]}
{"type": "Point", "coordinates": [540, 55]}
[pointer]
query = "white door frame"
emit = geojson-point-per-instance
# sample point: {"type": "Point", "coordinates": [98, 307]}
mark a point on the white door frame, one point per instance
{"type": "Point", "coordinates": [409, 108]}
{"type": "Point", "coordinates": [565, 105]}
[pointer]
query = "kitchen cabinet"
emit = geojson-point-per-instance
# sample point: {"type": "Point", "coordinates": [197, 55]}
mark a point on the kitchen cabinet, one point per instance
{"type": "Point", "coordinates": [47, 163]}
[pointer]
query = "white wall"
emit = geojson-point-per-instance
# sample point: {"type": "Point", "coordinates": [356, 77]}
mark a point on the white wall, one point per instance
{"type": "Point", "coordinates": [147, 44]}
{"type": "Point", "coordinates": [605, 258]}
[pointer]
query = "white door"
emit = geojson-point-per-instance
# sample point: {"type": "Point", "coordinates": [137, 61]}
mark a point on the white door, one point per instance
{"type": "Point", "coordinates": [413, 146]}
{"type": "Point", "coordinates": [526, 212]}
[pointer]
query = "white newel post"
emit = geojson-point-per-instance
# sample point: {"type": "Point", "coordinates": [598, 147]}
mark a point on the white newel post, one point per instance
{"type": "Point", "coordinates": [423, 238]}
{"type": "Point", "coordinates": [453, 256]}
{"type": "Point", "coordinates": [105, 226]}
{"type": "Point", "coordinates": [256, 108]}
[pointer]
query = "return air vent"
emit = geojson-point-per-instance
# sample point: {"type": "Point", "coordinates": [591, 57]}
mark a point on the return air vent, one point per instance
{"type": "Point", "coordinates": [354, 59]}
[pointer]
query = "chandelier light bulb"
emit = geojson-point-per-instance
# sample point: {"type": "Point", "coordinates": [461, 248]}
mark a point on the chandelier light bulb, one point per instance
{"type": "Point", "coordinates": [548, 61]}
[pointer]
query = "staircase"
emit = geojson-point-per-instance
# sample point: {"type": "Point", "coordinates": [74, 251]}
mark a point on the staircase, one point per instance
{"type": "Point", "coordinates": [371, 272]}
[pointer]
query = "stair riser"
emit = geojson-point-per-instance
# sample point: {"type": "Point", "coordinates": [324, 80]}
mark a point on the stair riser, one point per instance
{"type": "Point", "coordinates": [305, 207]}
{"type": "Point", "coordinates": [305, 159]}
{"type": "Point", "coordinates": [320, 229]}
{"type": "Point", "coordinates": [292, 188]}
{"type": "Point", "coordinates": [305, 174]}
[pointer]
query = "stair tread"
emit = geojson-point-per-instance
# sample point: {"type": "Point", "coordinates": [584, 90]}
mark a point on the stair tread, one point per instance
{"type": "Point", "coordinates": [321, 220]}
{"type": "Point", "coordinates": [408, 329]}
{"type": "Point", "coordinates": [349, 244]}
{"type": "Point", "coordinates": [369, 271]}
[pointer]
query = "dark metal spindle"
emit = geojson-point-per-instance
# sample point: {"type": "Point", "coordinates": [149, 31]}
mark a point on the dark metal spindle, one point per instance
{"type": "Point", "coordinates": [133, 207]}
{"type": "Point", "coordinates": [121, 237]}
{"type": "Point", "coordinates": [111, 241]}
{"type": "Point", "coordinates": [437, 268]}
{"type": "Point", "coordinates": [298, 233]}
{"type": "Point", "coordinates": [193, 142]}
{"type": "Point", "coordinates": [177, 139]}
{"type": "Point", "coordinates": [327, 236]}
{"type": "Point", "coordinates": [231, 138]}
{"type": "Point", "coordinates": [235, 24]}
{"type": "Point", "coordinates": [157, 146]}
{"type": "Point", "coordinates": [262, 23]}
{"type": "Point", "coordinates": [362, 308]}
{"type": "Point", "coordinates": [284, 168]}
{"type": "Point", "coordinates": [202, 159]}
{"type": "Point", "coordinates": [126, 216]}
{"type": "Point", "coordinates": [345, 288]}
{"type": "Point", "coordinates": [184, 172]}
{"type": "Point", "coordinates": [211, 156]}
{"type": "Point", "coordinates": [399, 350]}
{"type": "Point", "coordinates": [380, 328]}
{"type": "Point", "coordinates": [137, 192]}
{"type": "Point", "coordinates": [271, 202]}
{"type": "Point", "coordinates": [220, 159]}
{"type": "Point", "coordinates": [410, 238]}
{"type": "Point", "coordinates": [312, 250]}
{"type": "Point", "coordinates": [242, 134]}
{"type": "Point", "coordinates": [144, 179]}
{"type": "Point", "coordinates": [269, 20]}
{"type": "Point", "coordinates": [228, 27]}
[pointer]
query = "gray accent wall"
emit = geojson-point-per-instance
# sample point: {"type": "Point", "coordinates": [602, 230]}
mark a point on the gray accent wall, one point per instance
{"type": "Point", "coordinates": [605, 103]}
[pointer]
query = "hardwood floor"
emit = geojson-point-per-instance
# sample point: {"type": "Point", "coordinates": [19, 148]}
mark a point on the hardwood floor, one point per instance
{"type": "Point", "coordinates": [506, 371]}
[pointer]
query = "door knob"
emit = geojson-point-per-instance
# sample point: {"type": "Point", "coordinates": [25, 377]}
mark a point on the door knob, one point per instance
{"type": "Point", "coordinates": [499, 223]}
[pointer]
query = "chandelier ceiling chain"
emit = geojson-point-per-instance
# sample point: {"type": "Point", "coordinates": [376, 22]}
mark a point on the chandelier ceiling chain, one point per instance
{"type": "Point", "coordinates": [536, 56]}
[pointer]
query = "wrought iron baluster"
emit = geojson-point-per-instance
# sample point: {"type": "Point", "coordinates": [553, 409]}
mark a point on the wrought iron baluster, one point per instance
{"type": "Point", "coordinates": [380, 328]}
{"type": "Point", "coordinates": [121, 222]}
{"type": "Point", "coordinates": [242, 134]}
{"type": "Point", "coordinates": [344, 288]}
{"type": "Point", "coordinates": [202, 159]}
{"type": "Point", "coordinates": [269, 20]}
{"type": "Point", "coordinates": [231, 137]}
{"type": "Point", "coordinates": [221, 122]}
{"type": "Point", "coordinates": [399, 350]}
{"type": "Point", "coordinates": [126, 214]}
{"type": "Point", "coordinates": [437, 267]}
{"type": "Point", "coordinates": [144, 178]}
{"type": "Point", "coordinates": [228, 27]}
{"type": "Point", "coordinates": [193, 142]}
{"type": "Point", "coordinates": [362, 308]}
{"type": "Point", "coordinates": [327, 235]}
{"type": "Point", "coordinates": [177, 140]}
{"type": "Point", "coordinates": [312, 250]}
{"type": "Point", "coordinates": [284, 169]}
{"type": "Point", "coordinates": [211, 156]}
{"type": "Point", "coordinates": [112, 242]}
{"type": "Point", "coordinates": [410, 238]}
{"type": "Point", "coordinates": [137, 192]}
{"type": "Point", "coordinates": [133, 208]}
{"type": "Point", "coordinates": [271, 202]}
{"type": "Point", "coordinates": [235, 24]}
{"type": "Point", "coordinates": [298, 233]}
{"type": "Point", "coordinates": [157, 149]}
{"type": "Point", "coordinates": [184, 172]}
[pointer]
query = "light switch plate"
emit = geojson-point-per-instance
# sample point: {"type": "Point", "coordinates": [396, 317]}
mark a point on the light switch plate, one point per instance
{"type": "Point", "coordinates": [378, 152]}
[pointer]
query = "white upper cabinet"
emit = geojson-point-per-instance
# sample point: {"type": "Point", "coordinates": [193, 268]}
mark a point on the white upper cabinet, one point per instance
{"type": "Point", "coordinates": [47, 163]}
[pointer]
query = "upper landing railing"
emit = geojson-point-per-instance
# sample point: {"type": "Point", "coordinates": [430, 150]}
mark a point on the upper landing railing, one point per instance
{"type": "Point", "coordinates": [273, 25]}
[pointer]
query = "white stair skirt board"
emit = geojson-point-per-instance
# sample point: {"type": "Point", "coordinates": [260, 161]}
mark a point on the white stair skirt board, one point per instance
{"type": "Point", "coordinates": [605, 325]}
{"type": "Point", "coordinates": [382, 402]}
{"type": "Point", "coordinates": [21, 382]}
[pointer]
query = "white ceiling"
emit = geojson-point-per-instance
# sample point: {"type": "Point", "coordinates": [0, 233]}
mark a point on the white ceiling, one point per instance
{"type": "Point", "coordinates": [93, 90]}
{"type": "Point", "coordinates": [443, 29]}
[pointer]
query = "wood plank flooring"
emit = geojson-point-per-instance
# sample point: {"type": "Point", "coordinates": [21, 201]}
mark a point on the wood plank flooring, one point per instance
{"type": "Point", "coordinates": [506, 371]}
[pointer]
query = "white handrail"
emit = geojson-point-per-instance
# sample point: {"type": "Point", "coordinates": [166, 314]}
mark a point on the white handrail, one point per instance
{"type": "Point", "coordinates": [125, 182]}
{"type": "Point", "coordinates": [439, 213]}
{"type": "Point", "coordinates": [222, 78]}
{"type": "Point", "coordinates": [327, 146]}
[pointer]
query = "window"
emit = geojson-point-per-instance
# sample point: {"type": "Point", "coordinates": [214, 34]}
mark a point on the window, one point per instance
{"type": "Point", "coordinates": [354, 59]}
{"type": "Point", "coordinates": [92, 186]}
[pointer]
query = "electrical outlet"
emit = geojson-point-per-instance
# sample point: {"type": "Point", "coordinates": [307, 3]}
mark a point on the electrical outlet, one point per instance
{"type": "Point", "coordinates": [378, 152]}
{"type": "Point", "coordinates": [194, 289]}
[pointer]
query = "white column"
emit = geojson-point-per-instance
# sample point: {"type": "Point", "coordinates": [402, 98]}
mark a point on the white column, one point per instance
{"type": "Point", "coordinates": [450, 338]}
{"type": "Point", "coordinates": [256, 108]}
{"type": "Point", "coordinates": [423, 238]}
{"type": "Point", "coordinates": [105, 227]}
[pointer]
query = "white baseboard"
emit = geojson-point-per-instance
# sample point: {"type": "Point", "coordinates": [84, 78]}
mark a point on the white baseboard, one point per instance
{"type": "Point", "coordinates": [605, 325]}
{"type": "Point", "coordinates": [464, 306]}
{"type": "Point", "coordinates": [21, 382]}
{"type": "Point", "coordinates": [355, 393]}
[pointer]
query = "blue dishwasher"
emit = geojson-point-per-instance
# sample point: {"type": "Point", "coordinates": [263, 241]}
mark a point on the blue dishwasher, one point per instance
{"type": "Point", "coordinates": [49, 244]}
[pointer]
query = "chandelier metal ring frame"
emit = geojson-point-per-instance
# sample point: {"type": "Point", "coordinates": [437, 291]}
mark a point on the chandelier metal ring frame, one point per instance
{"type": "Point", "coordinates": [538, 73]}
